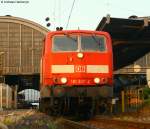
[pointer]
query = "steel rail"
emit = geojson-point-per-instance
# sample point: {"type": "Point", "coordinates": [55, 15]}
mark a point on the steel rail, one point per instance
{"type": "Point", "coordinates": [69, 124]}
{"type": "Point", "coordinates": [97, 122]}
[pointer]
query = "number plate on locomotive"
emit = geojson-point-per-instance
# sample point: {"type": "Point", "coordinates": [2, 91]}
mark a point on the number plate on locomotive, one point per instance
{"type": "Point", "coordinates": [80, 68]}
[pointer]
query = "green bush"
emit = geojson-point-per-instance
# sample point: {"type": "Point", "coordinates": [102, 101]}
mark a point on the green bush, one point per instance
{"type": "Point", "coordinates": [146, 93]}
{"type": "Point", "coordinates": [8, 121]}
{"type": "Point", "coordinates": [52, 125]}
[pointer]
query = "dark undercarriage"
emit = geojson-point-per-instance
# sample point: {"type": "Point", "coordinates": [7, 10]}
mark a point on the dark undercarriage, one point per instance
{"type": "Point", "coordinates": [81, 102]}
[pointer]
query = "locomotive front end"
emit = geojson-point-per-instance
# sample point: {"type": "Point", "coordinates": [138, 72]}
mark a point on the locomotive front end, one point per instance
{"type": "Point", "coordinates": [78, 59]}
{"type": "Point", "coordinates": [76, 64]}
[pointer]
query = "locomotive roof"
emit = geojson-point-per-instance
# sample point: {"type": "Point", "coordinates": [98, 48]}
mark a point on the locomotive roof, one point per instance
{"type": "Point", "coordinates": [76, 31]}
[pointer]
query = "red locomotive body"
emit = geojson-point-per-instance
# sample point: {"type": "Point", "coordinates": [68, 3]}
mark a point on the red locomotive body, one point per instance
{"type": "Point", "coordinates": [75, 63]}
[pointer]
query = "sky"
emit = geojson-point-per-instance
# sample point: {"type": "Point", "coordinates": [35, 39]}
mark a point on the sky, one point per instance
{"type": "Point", "coordinates": [86, 14]}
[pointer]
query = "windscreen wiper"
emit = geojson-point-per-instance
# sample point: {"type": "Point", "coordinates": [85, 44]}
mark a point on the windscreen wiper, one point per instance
{"type": "Point", "coordinates": [93, 37]}
{"type": "Point", "coordinates": [74, 39]}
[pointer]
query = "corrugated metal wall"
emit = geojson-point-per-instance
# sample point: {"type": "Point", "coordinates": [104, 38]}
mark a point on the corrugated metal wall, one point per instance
{"type": "Point", "coordinates": [138, 67]}
{"type": "Point", "coordinates": [20, 48]}
{"type": "Point", "coordinates": [8, 96]}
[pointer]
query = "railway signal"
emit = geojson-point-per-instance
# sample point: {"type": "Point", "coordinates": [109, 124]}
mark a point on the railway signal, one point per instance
{"type": "Point", "coordinates": [47, 19]}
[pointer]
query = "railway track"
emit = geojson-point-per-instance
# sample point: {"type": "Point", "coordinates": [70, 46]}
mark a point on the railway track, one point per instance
{"type": "Point", "coordinates": [69, 124]}
{"type": "Point", "coordinates": [106, 123]}
{"type": "Point", "coordinates": [37, 119]}
{"type": "Point", "coordinates": [12, 116]}
{"type": "Point", "coordinates": [31, 119]}
{"type": "Point", "coordinates": [16, 112]}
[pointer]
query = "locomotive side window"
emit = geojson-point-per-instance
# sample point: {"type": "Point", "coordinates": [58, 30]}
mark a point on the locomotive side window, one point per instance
{"type": "Point", "coordinates": [65, 43]}
{"type": "Point", "coordinates": [93, 43]}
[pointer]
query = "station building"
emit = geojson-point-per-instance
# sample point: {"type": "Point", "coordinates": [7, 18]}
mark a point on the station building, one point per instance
{"type": "Point", "coordinates": [21, 43]}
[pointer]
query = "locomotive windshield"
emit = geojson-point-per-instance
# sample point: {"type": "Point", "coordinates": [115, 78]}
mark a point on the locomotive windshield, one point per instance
{"type": "Point", "coordinates": [93, 43]}
{"type": "Point", "coordinates": [79, 43]}
{"type": "Point", "coordinates": [65, 43]}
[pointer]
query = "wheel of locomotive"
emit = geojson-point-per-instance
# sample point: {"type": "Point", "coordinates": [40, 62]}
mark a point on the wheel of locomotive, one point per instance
{"type": "Point", "coordinates": [44, 105]}
{"type": "Point", "coordinates": [102, 107]}
{"type": "Point", "coordinates": [65, 106]}
{"type": "Point", "coordinates": [41, 105]}
{"type": "Point", "coordinates": [55, 108]}
{"type": "Point", "coordinates": [85, 109]}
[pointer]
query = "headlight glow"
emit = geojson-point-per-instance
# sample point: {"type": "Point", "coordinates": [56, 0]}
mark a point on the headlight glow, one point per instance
{"type": "Point", "coordinates": [80, 55]}
{"type": "Point", "coordinates": [97, 80]}
{"type": "Point", "coordinates": [63, 80]}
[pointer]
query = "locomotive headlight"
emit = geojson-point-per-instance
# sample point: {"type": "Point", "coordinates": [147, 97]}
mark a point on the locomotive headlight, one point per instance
{"type": "Point", "coordinates": [80, 55]}
{"type": "Point", "coordinates": [63, 80]}
{"type": "Point", "coordinates": [97, 80]}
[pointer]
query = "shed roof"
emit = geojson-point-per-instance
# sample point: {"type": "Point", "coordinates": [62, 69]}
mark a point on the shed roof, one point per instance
{"type": "Point", "coordinates": [31, 24]}
{"type": "Point", "coordinates": [130, 38]}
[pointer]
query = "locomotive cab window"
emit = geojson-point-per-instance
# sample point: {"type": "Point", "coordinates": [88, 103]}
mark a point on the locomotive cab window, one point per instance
{"type": "Point", "coordinates": [65, 43]}
{"type": "Point", "coordinates": [93, 43]}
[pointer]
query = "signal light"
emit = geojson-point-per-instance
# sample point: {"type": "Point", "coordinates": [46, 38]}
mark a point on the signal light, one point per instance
{"type": "Point", "coordinates": [48, 24]}
{"type": "Point", "coordinates": [47, 19]}
{"type": "Point", "coordinates": [59, 28]}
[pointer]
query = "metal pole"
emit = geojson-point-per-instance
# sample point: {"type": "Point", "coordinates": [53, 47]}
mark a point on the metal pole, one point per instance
{"type": "Point", "coordinates": [8, 56]}
{"type": "Point", "coordinates": [32, 51]}
{"type": "Point", "coordinates": [20, 63]}
{"type": "Point", "coordinates": [1, 107]}
{"type": "Point", "coordinates": [15, 96]}
{"type": "Point", "coordinates": [7, 96]}
{"type": "Point", "coordinates": [123, 101]}
{"type": "Point", "coordinates": [3, 81]}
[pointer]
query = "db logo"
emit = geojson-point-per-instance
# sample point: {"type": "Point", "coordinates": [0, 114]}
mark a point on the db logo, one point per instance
{"type": "Point", "coordinates": [80, 68]}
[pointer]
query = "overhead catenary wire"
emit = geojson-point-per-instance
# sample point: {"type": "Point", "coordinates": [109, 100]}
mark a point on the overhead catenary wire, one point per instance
{"type": "Point", "coordinates": [54, 14]}
{"type": "Point", "coordinates": [70, 13]}
{"type": "Point", "coordinates": [108, 4]}
{"type": "Point", "coordinates": [59, 12]}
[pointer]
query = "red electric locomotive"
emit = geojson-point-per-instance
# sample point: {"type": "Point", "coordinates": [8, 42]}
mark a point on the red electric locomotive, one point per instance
{"type": "Point", "coordinates": [76, 71]}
